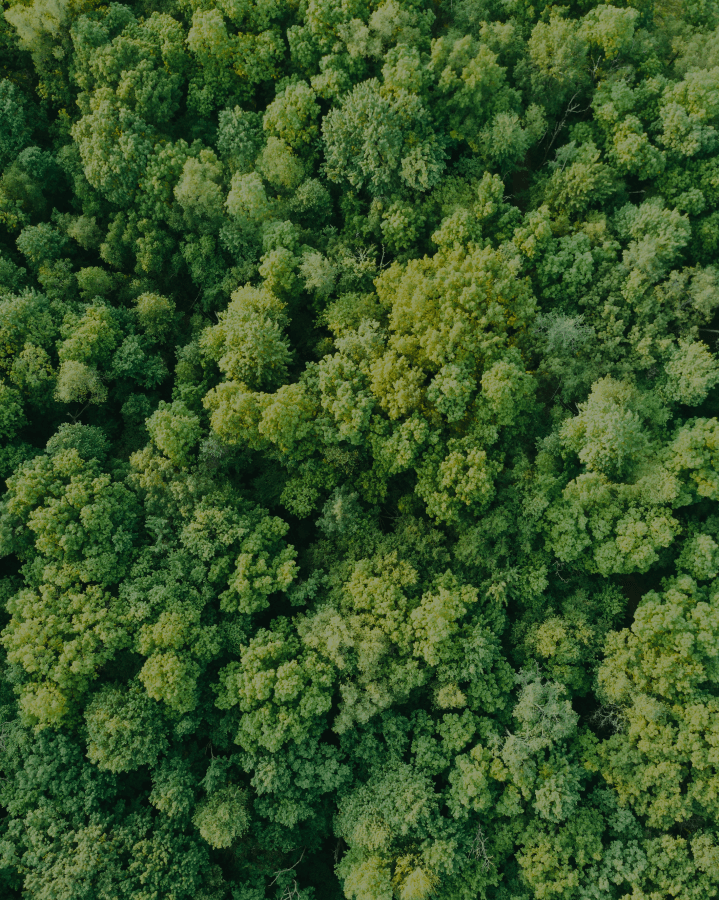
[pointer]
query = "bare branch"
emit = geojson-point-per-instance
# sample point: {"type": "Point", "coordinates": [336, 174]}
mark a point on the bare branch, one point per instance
{"type": "Point", "coordinates": [290, 869]}
{"type": "Point", "coordinates": [479, 849]}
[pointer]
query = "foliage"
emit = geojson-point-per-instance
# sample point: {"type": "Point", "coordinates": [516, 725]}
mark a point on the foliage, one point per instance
{"type": "Point", "coordinates": [358, 436]}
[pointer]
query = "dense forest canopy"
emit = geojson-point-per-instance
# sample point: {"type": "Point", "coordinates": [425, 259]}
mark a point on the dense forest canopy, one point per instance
{"type": "Point", "coordinates": [360, 466]}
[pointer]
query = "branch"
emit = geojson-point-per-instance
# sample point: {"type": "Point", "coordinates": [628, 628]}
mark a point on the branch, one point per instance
{"type": "Point", "coordinates": [572, 108]}
{"type": "Point", "coordinates": [283, 871]}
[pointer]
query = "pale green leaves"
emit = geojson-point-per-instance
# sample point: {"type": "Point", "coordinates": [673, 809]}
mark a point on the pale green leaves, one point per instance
{"type": "Point", "coordinates": [462, 478]}
{"type": "Point", "coordinates": [690, 111]}
{"type": "Point", "coordinates": [171, 677]}
{"type": "Point", "coordinates": [473, 84]}
{"type": "Point", "coordinates": [657, 237]}
{"type": "Point", "coordinates": [281, 693]}
{"type": "Point", "coordinates": [700, 557]}
{"type": "Point", "coordinates": [175, 431]}
{"type": "Point", "coordinates": [222, 817]}
{"type": "Point", "coordinates": [692, 372]}
{"type": "Point", "coordinates": [248, 200]}
{"type": "Point", "coordinates": [80, 524]}
{"type": "Point", "coordinates": [378, 820]}
{"type": "Point", "coordinates": [608, 433]}
{"type": "Point", "coordinates": [199, 191]}
{"type": "Point", "coordinates": [670, 650]}
{"type": "Point", "coordinates": [694, 455]}
{"type": "Point", "coordinates": [435, 620]}
{"type": "Point", "coordinates": [248, 342]}
{"type": "Point", "coordinates": [559, 49]}
{"type": "Point", "coordinates": [381, 142]}
{"type": "Point", "coordinates": [156, 314]}
{"type": "Point", "coordinates": [580, 180]}
{"type": "Point", "coordinates": [543, 713]}
{"type": "Point", "coordinates": [455, 307]}
{"type": "Point", "coordinates": [111, 165]}
{"type": "Point", "coordinates": [125, 729]}
{"type": "Point", "coordinates": [283, 420]}
{"type": "Point", "coordinates": [79, 383]}
{"type": "Point", "coordinates": [292, 116]}
{"type": "Point", "coordinates": [280, 166]}
{"type": "Point", "coordinates": [661, 676]}
{"type": "Point", "coordinates": [451, 390]}
{"type": "Point", "coordinates": [611, 28]}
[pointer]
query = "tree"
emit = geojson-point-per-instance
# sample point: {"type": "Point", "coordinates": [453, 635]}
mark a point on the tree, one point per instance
{"type": "Point", "coordinates": [393, 156]}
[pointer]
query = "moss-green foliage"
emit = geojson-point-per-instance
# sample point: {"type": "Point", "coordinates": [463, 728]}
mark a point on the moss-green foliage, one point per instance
{"type": "Point", "coordinates": [359, 450]}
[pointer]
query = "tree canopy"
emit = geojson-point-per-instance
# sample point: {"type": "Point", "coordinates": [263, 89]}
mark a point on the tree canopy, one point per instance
{"type": "Point", "coordinates": [359, 450]}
